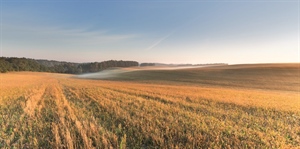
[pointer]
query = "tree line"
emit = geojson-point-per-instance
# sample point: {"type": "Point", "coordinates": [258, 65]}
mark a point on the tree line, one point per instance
{"type": "Point", "coordinates": [25, 64]}
{"type": "Point", "coordinates": [147, 64]}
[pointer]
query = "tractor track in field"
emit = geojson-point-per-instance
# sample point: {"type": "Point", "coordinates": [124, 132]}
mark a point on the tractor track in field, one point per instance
{"type": "Point", "coordinates": [62, 112]}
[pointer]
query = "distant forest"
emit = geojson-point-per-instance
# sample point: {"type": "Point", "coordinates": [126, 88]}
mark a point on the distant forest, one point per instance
{"type": "Point", "coordinates": [25, 64]}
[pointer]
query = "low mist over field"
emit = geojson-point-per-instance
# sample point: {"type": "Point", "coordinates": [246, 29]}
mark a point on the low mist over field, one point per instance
{"type": "Point", "coordinates": [260, 76]}
{"type": "Point", "coordinates": [118, 72]}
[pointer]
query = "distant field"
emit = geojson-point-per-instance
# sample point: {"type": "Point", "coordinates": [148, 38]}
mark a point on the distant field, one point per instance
{"type": "Point", "coordinates": [260, 76]}
{"type": "Point", "coordinates": [239, 106]}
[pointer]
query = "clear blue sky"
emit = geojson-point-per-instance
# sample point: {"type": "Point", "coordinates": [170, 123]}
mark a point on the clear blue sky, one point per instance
{"type": "Point", "coordinates": [167, 31]}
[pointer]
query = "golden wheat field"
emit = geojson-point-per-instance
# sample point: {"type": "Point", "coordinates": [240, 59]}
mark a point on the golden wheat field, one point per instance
{"type": "Point", "coordinates": [47, 110]}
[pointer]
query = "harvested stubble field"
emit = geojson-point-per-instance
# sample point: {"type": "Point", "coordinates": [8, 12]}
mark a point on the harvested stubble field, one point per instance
{"type": "Point", "coordinates": [220, 107]}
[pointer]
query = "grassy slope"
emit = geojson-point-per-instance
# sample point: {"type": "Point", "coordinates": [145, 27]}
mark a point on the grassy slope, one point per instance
{"type": "Point", "coordinates": [284, 77]}
{"type": "Point", "coordinates": [55, 111]}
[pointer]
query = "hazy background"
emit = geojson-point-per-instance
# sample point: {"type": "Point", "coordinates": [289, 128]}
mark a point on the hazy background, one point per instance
{"type": "Point", "coordinates": [152, 31]}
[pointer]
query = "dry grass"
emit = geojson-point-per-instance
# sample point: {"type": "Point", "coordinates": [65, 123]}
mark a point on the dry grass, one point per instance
{"type": "Point", "coordinates": [41, 110]}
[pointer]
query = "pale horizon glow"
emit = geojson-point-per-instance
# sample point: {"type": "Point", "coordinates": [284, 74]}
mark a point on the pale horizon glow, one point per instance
{"type": "Point", "coordinates": [191, 32]}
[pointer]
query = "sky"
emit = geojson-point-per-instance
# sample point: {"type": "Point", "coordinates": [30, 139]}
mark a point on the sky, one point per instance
{"type": "Point", "coordinates": [165, 31]}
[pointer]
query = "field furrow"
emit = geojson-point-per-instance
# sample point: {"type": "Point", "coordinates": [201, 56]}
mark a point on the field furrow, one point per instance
{"type": "Point", "coordinates": [56, 111]}
{"type": "Point", "coordinates": [200, 114]}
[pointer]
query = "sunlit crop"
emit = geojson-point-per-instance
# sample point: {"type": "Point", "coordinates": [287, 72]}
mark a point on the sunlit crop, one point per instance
{"type": "Point", "coordinates": [43, 110]}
